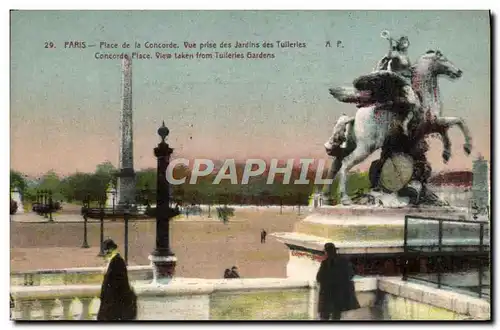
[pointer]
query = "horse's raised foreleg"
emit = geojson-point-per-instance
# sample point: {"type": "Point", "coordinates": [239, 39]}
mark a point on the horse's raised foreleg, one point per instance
{"type": "Point", "coordinates": [332, 173]}
{"type": "Point", "coordinates": [448, 122]}
{"type": "Point", "coordinates": [357, 156]}
{"type": "Point", "coordinates": [446, 146]}
{"type": "Point", "coordinates": [336, 165]}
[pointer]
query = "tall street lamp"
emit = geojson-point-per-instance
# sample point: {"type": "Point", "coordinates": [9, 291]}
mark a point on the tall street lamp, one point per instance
{"type": "Point", "coordinates": [101, 218]}
{"type": "Point", "coordinates": [126, 217]}
{"type": "Point", "coordinates": [86, 205]}
{"type": "Point", "coordinates": [45, 203]}
{"type": "Point", "coordinates": [162, 258]}
{"type": "Point", "coordinates": [51, 206]}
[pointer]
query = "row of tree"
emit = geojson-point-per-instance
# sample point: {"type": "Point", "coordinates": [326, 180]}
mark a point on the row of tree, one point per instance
{"type": "Point", "coordinates": [76, 187]}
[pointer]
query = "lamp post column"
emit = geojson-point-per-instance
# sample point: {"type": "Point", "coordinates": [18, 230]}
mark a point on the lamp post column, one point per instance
{"type": "Point", "coordinates": [45, 203]}
{"type": "Point", "coordinates": [126, 218]}
{"type": "Point", "coordinates": [162, 258]}
{"type": "Point", "coordinates": [101, 220]}
{"type": "Point", "coordinates": [86, 205]}
{"type": "Point", "coordinates": [51, 206]}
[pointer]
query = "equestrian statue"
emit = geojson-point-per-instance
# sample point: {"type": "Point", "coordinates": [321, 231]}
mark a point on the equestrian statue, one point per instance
{"type": "Point", "coordinates": [399, 105]}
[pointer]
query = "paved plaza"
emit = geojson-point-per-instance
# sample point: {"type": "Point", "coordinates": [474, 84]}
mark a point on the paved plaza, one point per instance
{"type": "Point", "coordinates": [204, 248]}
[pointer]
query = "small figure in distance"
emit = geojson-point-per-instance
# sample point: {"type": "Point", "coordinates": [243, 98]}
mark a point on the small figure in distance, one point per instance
{"type": "Point", "coordinates": [263, 235]}
{"type": "Point", "coordinates": [234, 272]}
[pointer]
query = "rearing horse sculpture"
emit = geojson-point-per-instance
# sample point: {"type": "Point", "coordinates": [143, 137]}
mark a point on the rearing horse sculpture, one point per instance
{"type": "Point", "coordinates": [367, 131]}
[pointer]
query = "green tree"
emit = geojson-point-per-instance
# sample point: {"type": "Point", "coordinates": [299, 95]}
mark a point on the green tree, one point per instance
{"type": "Point", "coordinates": [51, 181]}
{"type": "Point", "coordinates": [106, 168]}
{"type": "Point", "coordinates": [146, 179]}
{"type": "Point", "coordinates": [76, 186]}
{"type": "Point", "coordinates": [18, 180]}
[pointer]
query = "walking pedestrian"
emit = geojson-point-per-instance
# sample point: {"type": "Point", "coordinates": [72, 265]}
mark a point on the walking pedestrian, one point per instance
{"type": "Point", "coordinates": [263, 235]}
{"type": "Point", "coordinates": [118, 300]}
{"type": "Point", "coordinates": [336, 288]}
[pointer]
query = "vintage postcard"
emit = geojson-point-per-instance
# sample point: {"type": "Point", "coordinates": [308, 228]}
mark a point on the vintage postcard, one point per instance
{"type": "Point", "coordinates": [250, 165]}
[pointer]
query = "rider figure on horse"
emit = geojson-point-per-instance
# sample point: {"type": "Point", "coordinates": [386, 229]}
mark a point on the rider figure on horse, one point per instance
{"type": "Point", "coordinates": [389, 84]}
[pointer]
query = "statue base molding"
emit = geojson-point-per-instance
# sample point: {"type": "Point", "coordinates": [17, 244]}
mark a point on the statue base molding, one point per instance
{"type": "Point", "coordinates": [371, 235]}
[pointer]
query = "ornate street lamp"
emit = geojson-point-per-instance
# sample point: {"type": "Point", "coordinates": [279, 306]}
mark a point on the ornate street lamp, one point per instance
{"type": "Point", "coordinates": [299, 202]}
{"type": "Point", "coordinates": [86, 205]}
{"type": "Point", "coordinates": [162, 258]}
{"type": "Point", "coordinates": [126, 216]}
{"type": "Point", "coordinates": [101, 219]}
{"type": "Point", "coordinates": [51, 205]}
{"type": "Point", "coordinates": [35, 206]}
{"type": "Point", "coordinates": [43, 205]}
{"type": "Point", "coordinates": [209, 205]}
{"type": "Point", "coordinates": [47, 204]}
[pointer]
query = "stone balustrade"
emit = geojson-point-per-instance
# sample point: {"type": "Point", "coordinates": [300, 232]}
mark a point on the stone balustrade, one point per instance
{"type": "Point", "coordinates": [250, 299]}
{"type": "Point", "coordinates": [86, 275]}
{"type": "Point", "coordinates": [404, 300]}
{"type": "Point", "coordinates": [189, 299]}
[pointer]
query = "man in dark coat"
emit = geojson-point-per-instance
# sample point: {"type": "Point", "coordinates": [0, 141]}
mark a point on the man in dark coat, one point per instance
{"type": "Point", "coordinates": [336, 293]}
{"type": "Point", "coordinates": [118, 300]}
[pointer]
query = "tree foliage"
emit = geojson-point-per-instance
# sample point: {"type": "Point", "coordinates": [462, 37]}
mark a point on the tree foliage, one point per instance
{"type": "Point", "coordinates": [18, 180]}
{"type": "Point", "coordinates": [75, 187]}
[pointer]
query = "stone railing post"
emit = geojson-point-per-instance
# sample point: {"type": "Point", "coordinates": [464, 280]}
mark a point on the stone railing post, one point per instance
{"type": "Point", "coordinates": [86, 301]}
{"type": "Point", "coordinates": [47, 307]}
{"type": "Point", "coordinates": [313, 300]}
{"type": "Point", "coordinates": [25, 307]}
{"type": "Point", "coordinates": [66, 304]}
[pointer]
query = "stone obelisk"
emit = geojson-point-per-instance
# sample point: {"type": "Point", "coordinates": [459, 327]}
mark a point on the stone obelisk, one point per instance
{"type": "Point", "coordinates": [126, 174]}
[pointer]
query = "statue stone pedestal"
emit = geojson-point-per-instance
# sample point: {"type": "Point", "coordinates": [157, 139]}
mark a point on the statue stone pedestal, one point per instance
{"type": "Point", "coordinates": [111, 193]}
{"type": "Point", "coordinates": [163, 268]}
{"type": "Point", "coordinates": [374, 236]}
{"type": "Point", "coordinates": [16, 197]}
{"type": "Point", "coordinates": [316, 200]}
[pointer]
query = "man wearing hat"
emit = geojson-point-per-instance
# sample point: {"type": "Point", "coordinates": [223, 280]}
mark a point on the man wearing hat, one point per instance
{"type": "Point", "coordinates": [336, 288]}
{"type": "Point", "coordinates": [118, 300]}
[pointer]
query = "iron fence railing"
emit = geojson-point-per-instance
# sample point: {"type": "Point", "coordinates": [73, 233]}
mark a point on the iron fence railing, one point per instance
{"type": "Point", "coordinates": [448, 253]}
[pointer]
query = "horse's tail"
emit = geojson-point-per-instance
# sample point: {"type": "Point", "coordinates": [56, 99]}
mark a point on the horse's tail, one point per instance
{"type": "Point", "coordinates": [340, 132]}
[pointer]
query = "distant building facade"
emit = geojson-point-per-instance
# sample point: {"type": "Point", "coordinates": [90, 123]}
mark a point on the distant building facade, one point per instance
{"type": "Point", "coordinates": [463, 188]}
{"type": "Point", "coordinates": [454, 187]}
{"type": "Point", "coordinates": [481, 184]}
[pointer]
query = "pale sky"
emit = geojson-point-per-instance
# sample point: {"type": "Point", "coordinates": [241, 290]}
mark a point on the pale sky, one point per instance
{"type": "Point", "coordinates": [65, 104]}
